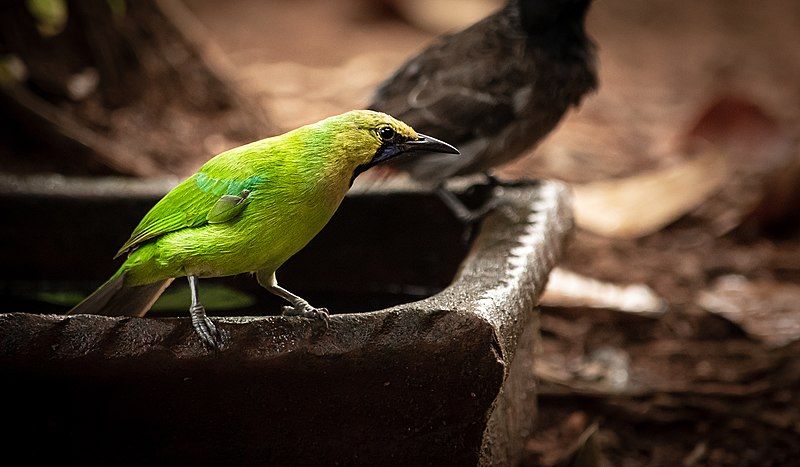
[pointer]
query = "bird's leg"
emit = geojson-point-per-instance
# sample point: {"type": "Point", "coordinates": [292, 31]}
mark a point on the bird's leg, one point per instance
{"type": "Point", "coordinates": [300, 307]}
{"type": "Point", "coordinates": [492, 180]}
{"type": "Point", "coordinates": [202, 323]}
{"type": "Point", "coordinates": [463, 213]}
{"type": "Point", "coordinates": [495, 182]}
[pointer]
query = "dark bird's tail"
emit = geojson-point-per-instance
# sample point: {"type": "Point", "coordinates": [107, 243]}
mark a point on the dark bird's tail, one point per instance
{"type": "Point", "coordinates": [114, 298]}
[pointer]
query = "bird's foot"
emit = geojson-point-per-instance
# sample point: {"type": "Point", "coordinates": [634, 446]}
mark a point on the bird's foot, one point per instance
{"type": "Point", "coordinates": [205, 328]}
{"type": "Point", "coordinates": [492, 182]}
{"type": "Point", "coordinates": [470, 216]}
{"type": "Point", "coordinates": [304, 309]}
{"type": "Point", "coordinates": [461, 211]}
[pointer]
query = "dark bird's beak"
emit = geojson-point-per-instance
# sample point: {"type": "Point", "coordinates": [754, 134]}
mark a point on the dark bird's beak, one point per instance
{"type": "Point", "coordinates": [429, 144]}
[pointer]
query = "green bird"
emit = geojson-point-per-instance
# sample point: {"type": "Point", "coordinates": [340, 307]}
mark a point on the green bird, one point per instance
{"type": "Point", "coordinates": [250, 209]}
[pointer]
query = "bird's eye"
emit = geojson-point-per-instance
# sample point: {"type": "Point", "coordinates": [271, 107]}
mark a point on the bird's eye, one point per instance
{"type": "Point", "coordinates": [386, 133]}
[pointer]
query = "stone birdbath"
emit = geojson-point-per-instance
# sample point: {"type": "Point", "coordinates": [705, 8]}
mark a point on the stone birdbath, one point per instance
{"type": "Point", "coordinates": [427, 360]}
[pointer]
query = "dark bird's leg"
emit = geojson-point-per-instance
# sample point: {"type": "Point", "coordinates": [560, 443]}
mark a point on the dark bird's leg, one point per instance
{"type": "Point", "coordinates": [463, 213]}
{"type": "Point", "coordinates": [202, 323]}
{"type": "Point", "coordinates": [300, 307]}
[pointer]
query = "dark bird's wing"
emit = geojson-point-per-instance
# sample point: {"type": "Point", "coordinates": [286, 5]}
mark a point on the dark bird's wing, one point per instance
{"type": "Point", "coordinates": [452, 86]}
{"type": "Point", "coordinates": [464, 88]}
{"type": "Point", "coordinates": [198, 200]}
{"type": "Point", "coordinates": [494, 89]}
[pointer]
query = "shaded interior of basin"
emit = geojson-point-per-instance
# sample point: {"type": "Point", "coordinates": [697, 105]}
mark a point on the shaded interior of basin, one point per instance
{"type": "Point", "coordinates": [379, 250]}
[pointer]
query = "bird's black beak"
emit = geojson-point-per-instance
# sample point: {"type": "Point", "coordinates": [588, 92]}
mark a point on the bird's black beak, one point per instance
{"type": "Point", "coordinates": [387, 151]}
{"type": "Point", "coordinates": [427, 143]}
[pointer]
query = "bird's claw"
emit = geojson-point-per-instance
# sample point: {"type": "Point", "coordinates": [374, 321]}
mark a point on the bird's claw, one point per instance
{"type": "Point", "coordinates": [494, 182]}
{"type": "Point", "coordinates": [464, 214]}
{"type": "Point", "coordinates": [307, 311]}
{"type": "Point", "coordinates": [205, 328]}
{"type": "Point", "coordinates": [474, 215]}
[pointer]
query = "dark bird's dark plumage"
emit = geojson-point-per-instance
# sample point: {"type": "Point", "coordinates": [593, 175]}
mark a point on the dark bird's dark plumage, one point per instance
{"type": "Point", "coordinates": [496, 88]}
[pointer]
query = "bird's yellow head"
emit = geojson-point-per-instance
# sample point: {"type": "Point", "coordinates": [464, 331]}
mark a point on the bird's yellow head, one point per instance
{"type": "Point", "coordinates": [365, 138]}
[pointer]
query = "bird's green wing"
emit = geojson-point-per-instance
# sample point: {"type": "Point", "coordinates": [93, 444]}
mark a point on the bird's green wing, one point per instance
{"type": "Point", "coordinates": [198, 200]}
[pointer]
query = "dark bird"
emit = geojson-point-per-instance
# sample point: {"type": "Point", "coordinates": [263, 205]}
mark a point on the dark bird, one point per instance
{"type": "Point", "coordinates": [494, 89]}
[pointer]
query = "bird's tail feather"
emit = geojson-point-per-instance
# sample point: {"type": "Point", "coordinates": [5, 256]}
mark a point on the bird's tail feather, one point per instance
{"type": "Point", "coordinates": [114, 298]}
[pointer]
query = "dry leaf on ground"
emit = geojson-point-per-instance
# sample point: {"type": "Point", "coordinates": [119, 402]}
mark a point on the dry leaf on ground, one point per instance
{"type": "Point", "coordinates": [640, 205]}
{"type": "Point", "coordinates": [766, 310]}
{"type": "Point", "coordinates": [567, 288]}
